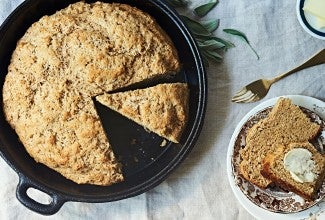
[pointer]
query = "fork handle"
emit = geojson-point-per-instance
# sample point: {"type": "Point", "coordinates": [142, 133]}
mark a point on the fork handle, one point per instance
{"type": "Point", "coordinates": [318, 58]}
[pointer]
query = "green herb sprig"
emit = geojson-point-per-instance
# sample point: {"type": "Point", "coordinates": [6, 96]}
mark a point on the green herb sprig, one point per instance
{"type": "Point", "coordinates": [243, 37]}
{"type": "Point", "coordinates": [210, 46]}
{"type": "Point", "coordinates": [205, 8]}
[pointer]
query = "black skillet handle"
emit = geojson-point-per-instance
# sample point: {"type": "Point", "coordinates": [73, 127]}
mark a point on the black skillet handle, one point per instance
{"type": "Point", "coordinates": [44, 209]}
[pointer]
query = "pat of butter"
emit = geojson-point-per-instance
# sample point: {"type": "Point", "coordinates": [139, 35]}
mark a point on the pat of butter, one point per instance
{"type": "Point", "coordinates": [315, 7]}
{"type": "Point", "coordinates": [320, 23]}
{"type": "Point", "coordinates": [299, 163]}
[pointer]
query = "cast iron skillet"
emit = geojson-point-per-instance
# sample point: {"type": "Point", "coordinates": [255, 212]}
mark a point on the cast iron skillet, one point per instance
{"type": "Point", "coordinates": [145, 162]}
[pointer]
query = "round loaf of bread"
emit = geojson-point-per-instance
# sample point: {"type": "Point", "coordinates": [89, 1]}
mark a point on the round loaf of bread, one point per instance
{"type": "Point", "coordinates": [63, 61]}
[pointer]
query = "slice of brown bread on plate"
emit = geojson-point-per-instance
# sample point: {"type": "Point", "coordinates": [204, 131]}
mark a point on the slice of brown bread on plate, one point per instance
{"type": "Point", "coordinates": [286, 123]}
{"type": "Point", "coordinates": [294, 169]}
{"type": "Point", "coordinates": [162, 109]}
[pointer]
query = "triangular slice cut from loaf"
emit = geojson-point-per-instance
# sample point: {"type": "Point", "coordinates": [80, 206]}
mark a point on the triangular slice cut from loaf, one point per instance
{"type": "Point", "coordinates": [274, 169]}
{"type": "Point", "coordinates": [162, 109]}
{"type": "Point", "coordinates": [285, 124]}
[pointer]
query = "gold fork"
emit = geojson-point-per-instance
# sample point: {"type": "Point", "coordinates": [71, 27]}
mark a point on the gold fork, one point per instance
{"type": "Point", "coordinates": [259, 88]}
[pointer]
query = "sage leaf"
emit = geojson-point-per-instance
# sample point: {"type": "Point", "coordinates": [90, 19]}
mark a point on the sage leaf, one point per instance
{"type": "Point", "coordinates": [204, 9]}
{"type": "Point", "coordinates": [211, 25]}
{"type": "Point", "coordinates": [242, 36]}
{"type": "Point", "coordinates": [177, 3]}
{"type": "Point", "coordinates": [212, 55]}
{"type": "Point", "coordinates": [195, 27]}
{"type": "Point", "coordinates": [227, 43]}
{"type": "Point", "coordinates": [210, 45]}
{"type": "Point", "coordinates": [236, 33]}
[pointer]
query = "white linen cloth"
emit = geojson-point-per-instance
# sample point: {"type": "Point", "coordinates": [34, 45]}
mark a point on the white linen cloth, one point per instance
{"type": "Point", "coordinates": [199, 188]}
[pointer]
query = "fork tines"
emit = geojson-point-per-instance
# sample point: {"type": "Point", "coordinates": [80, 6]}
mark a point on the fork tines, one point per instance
{"type": "Point", "coordinates": [245, 95]}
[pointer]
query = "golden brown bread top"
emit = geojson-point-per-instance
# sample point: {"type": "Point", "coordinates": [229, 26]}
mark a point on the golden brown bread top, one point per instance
{"type": "Point", "coordinates": [286, 123]}
{"type": "Point", "coordinates": [162, 109]}
{"type": "Point", "coordinates": [60, 63]}
{"type": "Point", "coordinates": [273, 168]}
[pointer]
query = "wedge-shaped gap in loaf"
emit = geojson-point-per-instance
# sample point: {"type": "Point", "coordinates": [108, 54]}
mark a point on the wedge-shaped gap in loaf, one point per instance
{"type": "Point", "coordinates": [134, 146]}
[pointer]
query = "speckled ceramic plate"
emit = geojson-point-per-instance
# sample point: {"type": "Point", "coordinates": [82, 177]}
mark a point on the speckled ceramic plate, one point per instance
{"type": "Point", "coordinates": [273, 200]}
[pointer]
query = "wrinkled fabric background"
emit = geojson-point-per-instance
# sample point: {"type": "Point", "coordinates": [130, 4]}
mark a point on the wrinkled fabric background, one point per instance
{"type": "Point", "coordinates": [199, 188]}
